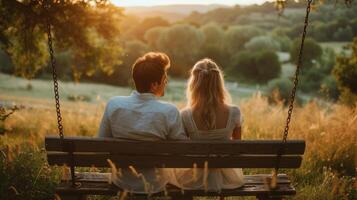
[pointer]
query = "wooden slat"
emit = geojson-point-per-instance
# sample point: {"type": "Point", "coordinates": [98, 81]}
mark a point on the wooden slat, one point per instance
{"type": "Point", "coordinates": [248, 179]}
{"type": "Point", "coordinates": [102, 188]}
{"type": "Point", "coordinates": [243, 161]}
{"type": "Point", "coordinates": [116, 146]}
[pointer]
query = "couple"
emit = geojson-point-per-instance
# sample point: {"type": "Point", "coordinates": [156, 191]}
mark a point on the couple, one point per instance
{"type": "Point", "coordinates": [141, 116]}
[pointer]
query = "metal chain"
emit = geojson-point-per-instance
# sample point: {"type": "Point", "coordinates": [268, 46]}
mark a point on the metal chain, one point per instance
{"type": "Point", "coordinates": [293, 91]}
{"type": "Point", "coordinates": [54, 73]}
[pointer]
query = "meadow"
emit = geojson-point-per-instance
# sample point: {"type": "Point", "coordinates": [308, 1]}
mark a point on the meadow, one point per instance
{"type": "Point", "coordinates": [330, 130]}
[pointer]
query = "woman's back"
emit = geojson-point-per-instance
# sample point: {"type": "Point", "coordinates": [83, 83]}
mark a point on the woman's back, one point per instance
{"type": "Point", "coordinates": [227, 119]}
{"type": "Point", "coordinates": [216, 179]}
{"type": "Point", "coordinates": [208, 117]}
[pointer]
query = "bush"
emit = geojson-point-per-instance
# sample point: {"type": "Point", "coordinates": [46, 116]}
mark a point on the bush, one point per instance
{"type": "Point", "coordinates": [6, 65]}
{"type": "Point", "coordinates": [237, 36]}
{"type": "Point", "coordinates": [182, 43]}
{"type": "Point", "coordinates": [213, 33]}
{"type": "Point", "coordinates": [152, 36]}
{"type": "Point", "coordinates": [345, 72]}
{"type": "Point", "coordinates": [24, 174]}
{"type": "Point", "coordinates": [262, 42]}
{"type": "Point", "coordinates": [285, 43]}
{"type": "Point", "coordinates": [256, 66]}
{"type": "Point", "coordinates": [329, 88]}
{"type": "Point", "coordinates": [279, 90]}
{"type": "Point", "coordinates": [312, 51]}
{"type": "Point", "coordinates": [310, 79]}
{"type": "Point", "coordinates": [343, 34]}
{"type": "Point", "coordinates": [78, 97]}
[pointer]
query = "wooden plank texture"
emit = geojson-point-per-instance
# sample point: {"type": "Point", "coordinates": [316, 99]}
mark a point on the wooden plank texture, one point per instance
{"type": "Point", "coordinates": [169, 161]}
{"type": "Point", "coordinates": [104, 188]}
{"type": "Point", "coordinates": [248, 179]}
{"type": "Point", "coordinates": [116, 146]}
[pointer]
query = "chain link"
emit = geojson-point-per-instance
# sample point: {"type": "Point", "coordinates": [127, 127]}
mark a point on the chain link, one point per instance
{"type": "Point", "coordinates": [54, 71]}
{"type": "Point", "coordinates": [293, 91]}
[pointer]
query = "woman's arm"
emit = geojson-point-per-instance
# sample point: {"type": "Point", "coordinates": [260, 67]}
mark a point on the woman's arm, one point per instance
{"type": "Point", "coordinates": [237, 133]}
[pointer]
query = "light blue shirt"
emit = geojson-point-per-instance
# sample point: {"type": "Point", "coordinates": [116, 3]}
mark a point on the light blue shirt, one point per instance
{"type": "Point", "coordinates": [141, 116]}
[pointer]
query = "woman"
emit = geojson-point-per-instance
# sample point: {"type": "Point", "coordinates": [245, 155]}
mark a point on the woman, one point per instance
{"type": "Point", "coordinates": [208, 116]}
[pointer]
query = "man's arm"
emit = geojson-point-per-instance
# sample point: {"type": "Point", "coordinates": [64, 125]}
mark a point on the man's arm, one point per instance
{"type": "Point", "coordinates": [104, 128]}
{"type": "Point", "coordinates": [176, 130]}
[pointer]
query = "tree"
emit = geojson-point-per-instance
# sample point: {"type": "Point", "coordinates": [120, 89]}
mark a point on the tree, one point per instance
{"type": "Point", "coordinates": [214, 34]}
{"type": "Point", "coordinates": [74, 23]}
{"type": "Point", "coordinates": [237, 36]}
{"type": "Point", "coordinates": [262, 42]}
{"type": "Point", "coordinates": [345, 72]}
{"type": "Point", "coordinates": [256, 66]}
{"type": "Point", "coordinates": [343, 34]}
{"type": "Point", "coordinates": [152, 36]}
{"type": "Point", "coordinates": [279, 89]}
{"type": "Point", "coordinates": [182, 43]}
{"type": "Point", "coordinates": [312, 52]}
{"type": "Point", "coordinates": [148, 23]}
{"type": "Point", "coordinates": [121, 74]}
{"type": "Point", "coordinates": [213, 44]}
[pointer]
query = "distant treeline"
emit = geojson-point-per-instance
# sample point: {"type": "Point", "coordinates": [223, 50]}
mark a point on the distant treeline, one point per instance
{"type": "Point", "coordinates": [242, 40]}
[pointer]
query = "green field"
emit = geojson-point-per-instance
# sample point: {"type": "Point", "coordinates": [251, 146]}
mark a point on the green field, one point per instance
{"type": "Point", "coordinates": [90, 92]}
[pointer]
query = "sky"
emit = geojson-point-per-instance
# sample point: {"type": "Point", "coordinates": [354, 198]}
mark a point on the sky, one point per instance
{"type": "Point", "coordinates": [126, 3]}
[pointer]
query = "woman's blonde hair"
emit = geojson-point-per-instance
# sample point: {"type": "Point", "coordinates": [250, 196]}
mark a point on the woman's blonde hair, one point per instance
{"type": "Point", "coordinates": [206, 90]}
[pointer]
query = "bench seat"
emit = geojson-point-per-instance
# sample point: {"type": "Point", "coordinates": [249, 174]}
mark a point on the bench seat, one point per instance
{"type": "Point", "coordinates": [95, 152]}
{"type": "Point", "coordinates": [97, 184]}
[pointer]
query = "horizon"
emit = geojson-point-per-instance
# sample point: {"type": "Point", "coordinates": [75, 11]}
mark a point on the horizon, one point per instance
{"type": "Point", "coordinates": [142, 3]}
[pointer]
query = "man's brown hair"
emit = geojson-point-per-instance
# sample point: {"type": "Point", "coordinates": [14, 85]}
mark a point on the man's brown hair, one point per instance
{"type": "Point", "coordinates": [149, 69]}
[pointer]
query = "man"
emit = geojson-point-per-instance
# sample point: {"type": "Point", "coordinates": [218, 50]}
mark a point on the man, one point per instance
{"type": "Point", "coordinates": [142, 117]}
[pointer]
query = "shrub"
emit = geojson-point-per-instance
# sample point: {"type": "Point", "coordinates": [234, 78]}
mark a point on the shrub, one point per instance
{"type": "Point", "coordinates": [279, 90]}
{"type": "Point", "coordinates": [312, 51]}
{"type": "Point", "coordinates": [345, 72]}
{"type": "Point", "coordinates": [236, 36]}
{"type": "Point", "coordinates": [182, 43]}
{"type": "Point", "coordinates": [256, 66]}
{"type": "Point", "coordinates": [262, 42]}
{"type": "Point", "coordinates": [24, 174]}
{"type": "Point", "coordinates": [329, 88]}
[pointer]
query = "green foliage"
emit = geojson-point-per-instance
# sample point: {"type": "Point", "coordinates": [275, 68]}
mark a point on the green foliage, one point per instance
{"type": "Point", "coordinates": [213, 45]}
{"type": "Point", "coordinates": [345, 72]}
{"type": "Point", "coordinates": [121, 74]}
{"type": "Point", "coordinates": [88, 29]}
{"type": "Point", "coordinates": [256, 66]}
{"type": "Point", "coordinates": [329, 89]}
{"type": "Point", "coordinates": [315, 74]}
{"type": "Point", "coordinates": [311, 53]}
{"type": "Point", "coordinates": [345, 69]}
{"type": "Point", "coordinates": [237, 36]}
{"type": "Point", "coordinates": [310, 80]}
{"type": "Point", "coordinates": [138, 31]}
{"type": "Point", "coordinates": [284, 42]}
{"type": "Point", "coordinates": [343, 34]}
{"type": "Point", "coordinates": [28, 52]}
{"type": "Point", "coordinates": [279, 89]}
{"type": "Point", "coordinates": [182, 43]}
{"type": "Point", "coordinates": [214, 34]}
{"type": "Point", "coordinates": [152, 36]}
{"type": "Point", "coordinates": [5, 63]}
{"type": "Point", "coordinates": [25, 174]}
{"type": "Point", "coordinates": [262, 42]}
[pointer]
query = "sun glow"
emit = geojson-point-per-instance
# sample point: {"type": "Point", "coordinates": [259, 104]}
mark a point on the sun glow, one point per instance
{"type": "Point", "coordinates": [129, 3]}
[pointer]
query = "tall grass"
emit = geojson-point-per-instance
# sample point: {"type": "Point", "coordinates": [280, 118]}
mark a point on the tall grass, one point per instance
{"type": "Point", "coordinates": [328, 170]}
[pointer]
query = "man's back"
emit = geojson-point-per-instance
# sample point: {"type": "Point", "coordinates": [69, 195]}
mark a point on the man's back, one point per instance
{"type": "Point", "coordinates": [141, 117]}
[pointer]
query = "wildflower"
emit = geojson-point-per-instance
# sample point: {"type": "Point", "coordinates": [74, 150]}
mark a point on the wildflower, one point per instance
{"type": "Point", "coordinates": [205, 176]}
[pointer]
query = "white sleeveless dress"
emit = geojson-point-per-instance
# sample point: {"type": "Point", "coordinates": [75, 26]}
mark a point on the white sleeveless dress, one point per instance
{"type": "Point", "coordinates": [216, 178]}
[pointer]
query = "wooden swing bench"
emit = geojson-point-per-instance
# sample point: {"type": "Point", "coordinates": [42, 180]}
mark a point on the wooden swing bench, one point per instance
{"type": "Point", "coordinates": [88, 152]}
